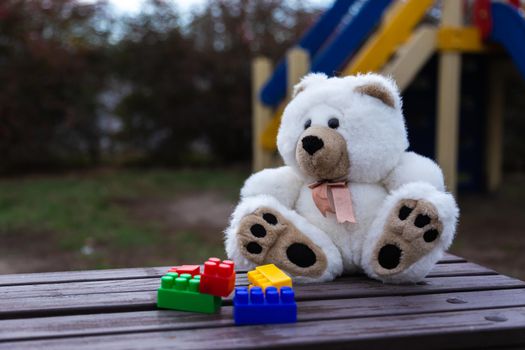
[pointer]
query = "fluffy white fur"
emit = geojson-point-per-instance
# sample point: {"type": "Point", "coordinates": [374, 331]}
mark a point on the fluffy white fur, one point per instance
{"type": "Point", "coordinates": [285, 189]}
{"type": "Point", "coordinates": [375, 133]}
{"type": "Point", "coordinates": [413, 167]}
{"type": "Point", "coordinates": [448, 213]}
{"type": "Point", "coordinates": [381, 174]}
{"type": "Point", "coordinates": [250, 204]}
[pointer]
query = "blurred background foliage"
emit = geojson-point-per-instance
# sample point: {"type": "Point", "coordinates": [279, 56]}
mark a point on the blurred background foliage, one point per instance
{"type": "Point", "coordinates": [125, 137]}
{"type": "Point", "coordinates": [80, 86]}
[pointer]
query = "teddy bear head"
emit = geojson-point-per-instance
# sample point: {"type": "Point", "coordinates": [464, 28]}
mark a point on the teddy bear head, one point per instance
{"type": "Point", "coordinates": [349, 128]}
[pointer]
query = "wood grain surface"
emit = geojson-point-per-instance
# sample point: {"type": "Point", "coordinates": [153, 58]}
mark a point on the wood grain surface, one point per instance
{"type": "Point", "coordinates": [459, 305]}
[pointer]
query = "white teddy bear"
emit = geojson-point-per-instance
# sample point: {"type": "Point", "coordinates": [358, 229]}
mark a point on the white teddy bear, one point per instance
{"type": "Point", "coordinates": [350, 198]}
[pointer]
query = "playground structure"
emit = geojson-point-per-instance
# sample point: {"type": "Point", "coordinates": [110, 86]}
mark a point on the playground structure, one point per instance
{"type": "Point", "coordinates": [393, 38]}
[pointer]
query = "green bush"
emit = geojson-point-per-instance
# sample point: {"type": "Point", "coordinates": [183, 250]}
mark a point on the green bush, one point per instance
{"type": "Point", "coordinates": [178, 81]}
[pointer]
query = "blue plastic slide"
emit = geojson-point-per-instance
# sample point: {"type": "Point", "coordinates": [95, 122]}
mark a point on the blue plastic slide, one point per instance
{"type": "Point", "coordinates": [331, 59]}
{"type": "Point", "coordinates": [508, 29]}
{"type": "Point", "coordinates": [337, 51]}
{"type": "Point", "coordinates": [275, 89]}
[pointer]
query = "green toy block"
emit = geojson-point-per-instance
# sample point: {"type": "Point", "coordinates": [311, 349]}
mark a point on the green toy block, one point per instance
{"type": "Point", "coordinates": [182, 293]}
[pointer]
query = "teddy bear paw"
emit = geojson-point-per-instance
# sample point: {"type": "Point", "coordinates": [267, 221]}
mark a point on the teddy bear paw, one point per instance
{"type": "Point", "coordinates": [411, 231]}
{"type": "Point", "coordinates": [266, 237]}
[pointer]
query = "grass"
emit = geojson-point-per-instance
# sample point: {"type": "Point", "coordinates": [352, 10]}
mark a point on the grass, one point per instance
{"type": "Point", "coordinates": [78, 208]}
{"type": "Point", "coordinates": [51, 218]}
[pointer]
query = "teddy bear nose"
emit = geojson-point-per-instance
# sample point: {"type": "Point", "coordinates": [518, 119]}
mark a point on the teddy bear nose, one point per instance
{"type": "Point", "coordinates": [312, 144]}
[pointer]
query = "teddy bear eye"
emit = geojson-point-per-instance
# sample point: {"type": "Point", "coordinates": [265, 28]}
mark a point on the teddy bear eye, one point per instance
{"type": "Point", "coordinates": [307, 124]}
{"type": "Point", "coordinates": [333, 123]}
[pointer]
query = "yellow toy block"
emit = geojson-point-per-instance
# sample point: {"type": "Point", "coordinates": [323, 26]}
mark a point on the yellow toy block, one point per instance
{"type": "Point", "coordinates": [269, 276]}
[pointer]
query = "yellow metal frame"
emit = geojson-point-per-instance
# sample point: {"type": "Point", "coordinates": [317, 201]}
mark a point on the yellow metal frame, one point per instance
{"type": "Point", "coordinates": [393, 32]}
{"type": "Point", "coordinates": [395, 29]}
{"type": "Point", "coordinates": [269, 136]}
{"type": "Point", "coordinates": [463, 39]}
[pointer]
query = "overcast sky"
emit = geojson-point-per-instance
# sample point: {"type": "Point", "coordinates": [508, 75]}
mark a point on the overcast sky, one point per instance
{"type": "Point", "coordinates": [133, 6]}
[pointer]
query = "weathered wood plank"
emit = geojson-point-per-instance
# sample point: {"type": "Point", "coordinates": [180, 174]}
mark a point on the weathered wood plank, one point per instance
{"type": "Point", "coordinates": [81, 276]}
{"type": "Point", "coordinates": [460, 269]}
{"type": "Point", "coordinates": [440, 270]}
{"type": "Point", "coordinates": [137, 285]}
{"type": "Point", "coordinates": [141, 284]}
{"type": "Point", "coordinates": [158, 320]}
{"type": "Point", "coordinates": [140, 294]}
{"type": "Point", "coordinates": [450, 258]}
{"type": "Point", "coordinates": [115, 274]}
{"type": "Point", "coordinates": [446, 330]}
{"type": "Point", "coordinates": [78, 288]}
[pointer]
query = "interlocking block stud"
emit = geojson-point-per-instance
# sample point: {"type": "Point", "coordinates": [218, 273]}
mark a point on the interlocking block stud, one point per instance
{"type": "Point", "coordinates": [255, 306]}
{"type": "Point", "coordinates": [269, 276]}
{"type": "Point", "coordinates": [218, 277]}
{"type": "Point", "coordinates": [190, 269]}
{"type": "Point", "coordinates": [181, 292]}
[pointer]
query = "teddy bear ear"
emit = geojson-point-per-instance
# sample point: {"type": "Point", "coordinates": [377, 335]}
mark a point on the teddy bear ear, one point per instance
{"type": "Point", "coordinates": [308, 80]}
{"type": "Point", "coordinates": [381, 88]}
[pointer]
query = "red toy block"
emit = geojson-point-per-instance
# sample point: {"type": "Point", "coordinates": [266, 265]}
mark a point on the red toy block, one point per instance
{"type": "Point", "coordinates": [193, 270]}
{"type": "Point", "coordinates": [218, 278]}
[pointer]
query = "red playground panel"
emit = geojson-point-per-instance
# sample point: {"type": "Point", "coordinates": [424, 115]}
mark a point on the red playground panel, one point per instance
{"type": "Point", "coordinates": [515, 3]}
{"type": "Point", "coordinates": [193, 270]}
{"type": "Point", "coordinates": [218, 277]}
{"type": "Point", "coordinates": [482, 17]}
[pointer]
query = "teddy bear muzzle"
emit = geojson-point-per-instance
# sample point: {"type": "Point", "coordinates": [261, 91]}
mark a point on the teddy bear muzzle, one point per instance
{"type": "Point", "coordinates": [322, 153]}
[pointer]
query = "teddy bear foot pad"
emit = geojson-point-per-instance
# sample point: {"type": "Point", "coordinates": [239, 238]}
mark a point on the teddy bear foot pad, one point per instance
{"type": "Point", "coordinates": [411, 231]}
{"type": "Point", "coordinates": [266, 237]}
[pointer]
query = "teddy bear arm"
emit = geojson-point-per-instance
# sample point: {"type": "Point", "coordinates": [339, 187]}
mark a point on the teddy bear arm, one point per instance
{"type": "Point", "coordinates": [413, 167]}
{"type": "Point", "coordinates": [281, 183]}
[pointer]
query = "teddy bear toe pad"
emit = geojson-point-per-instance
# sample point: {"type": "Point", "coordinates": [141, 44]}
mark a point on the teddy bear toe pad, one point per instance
{"type": "Point", "coordinates": [411, 231]}
{"type": "Point", "coordinates": [266, 237]}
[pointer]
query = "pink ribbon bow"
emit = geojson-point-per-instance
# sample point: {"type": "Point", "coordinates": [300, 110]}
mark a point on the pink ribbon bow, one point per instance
{"type": "Point", "coordinates": [333, 197]}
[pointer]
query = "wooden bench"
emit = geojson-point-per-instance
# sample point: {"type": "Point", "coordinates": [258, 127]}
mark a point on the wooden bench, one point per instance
{"type": "Point", "coordinates": [459, 305]}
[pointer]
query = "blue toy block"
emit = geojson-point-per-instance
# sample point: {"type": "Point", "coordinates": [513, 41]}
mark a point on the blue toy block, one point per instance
{"type": "Point", "coordinates": [255, 306]}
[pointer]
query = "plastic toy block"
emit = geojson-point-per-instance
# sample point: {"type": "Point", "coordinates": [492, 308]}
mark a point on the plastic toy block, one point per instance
{"type": "Point", "coordinates": [181, 292]}
{"type": "Point", "coordinates": [189, 269]}
{"type": "Point", "coordinates": [269, 276]}
{"type": "Point", "coordinates": [218, 277]}
{"type": "Point", "coordinates": [256, 306]}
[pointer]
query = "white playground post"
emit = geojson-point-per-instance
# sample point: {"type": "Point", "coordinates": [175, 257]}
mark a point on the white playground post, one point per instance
{"type": "Point", "coordinates": [449, 88]}
{"type": "Point", "coordinates": [261, 114]}
{"type": "Point", "coordinates": [412, 56]}
{"type": "Point", "coordinates": [298, 61]}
